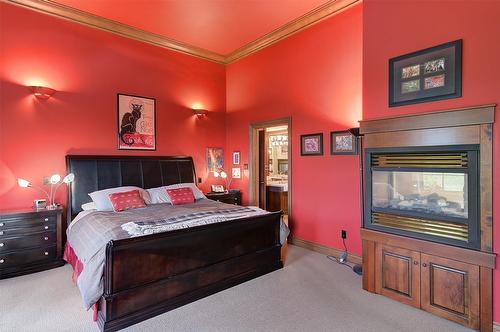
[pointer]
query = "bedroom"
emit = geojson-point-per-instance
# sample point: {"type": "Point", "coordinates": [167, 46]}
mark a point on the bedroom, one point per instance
{"type": "Point", "coordinates": [325, 78]}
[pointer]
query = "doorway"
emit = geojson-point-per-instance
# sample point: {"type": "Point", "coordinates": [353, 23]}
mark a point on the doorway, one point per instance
{"type": "Point", "coordinates": [270, 166]}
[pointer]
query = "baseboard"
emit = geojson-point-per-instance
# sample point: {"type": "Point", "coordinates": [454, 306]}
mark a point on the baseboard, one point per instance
{"type": "Point", "coordinates": [496, 327]}
{"type": "Point", "coordinates": [352, 258]}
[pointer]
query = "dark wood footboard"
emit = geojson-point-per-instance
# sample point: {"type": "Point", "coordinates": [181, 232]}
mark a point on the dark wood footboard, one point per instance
{"type": "Point", "coordinates": [146, 276]}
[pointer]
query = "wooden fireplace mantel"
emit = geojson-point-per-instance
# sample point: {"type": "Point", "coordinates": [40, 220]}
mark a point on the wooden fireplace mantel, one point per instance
{"type": "Point", "coordinates": [451, 282]}
{"type": "Point", "coordinates": [476, 115]}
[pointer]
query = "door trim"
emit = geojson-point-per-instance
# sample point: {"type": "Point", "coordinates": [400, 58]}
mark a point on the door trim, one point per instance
{"type": "Point", "coordinates": [253, 164]}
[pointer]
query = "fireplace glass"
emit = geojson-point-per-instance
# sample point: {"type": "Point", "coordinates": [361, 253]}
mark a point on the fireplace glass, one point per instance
{"type": "Point", "coordinates": [430, 193]}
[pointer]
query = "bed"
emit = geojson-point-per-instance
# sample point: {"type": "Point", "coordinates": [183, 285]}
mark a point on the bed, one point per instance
{"type": "Point", "coordinates": [147, 275]}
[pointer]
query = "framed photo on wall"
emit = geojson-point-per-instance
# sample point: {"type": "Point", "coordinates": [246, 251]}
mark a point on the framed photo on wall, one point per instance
{"type": "Point", "coordinates": [311, 144]}
{"type": "Point", "coordinates": [431, 74]}
{"type": "Point", "coordinates": [343, 142]}
{"type": "Point", "coordinates": [215, 159]}
{"type": "Point", "coordinates": [136, 122]}
{"type": "Point", "coordinates": [236, 173]}
{"type": "Point", "coordinates": [236, 157]}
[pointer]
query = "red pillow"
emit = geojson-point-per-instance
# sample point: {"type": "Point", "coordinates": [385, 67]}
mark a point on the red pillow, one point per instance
{"type": "Point", "coordinates": [181, 196]}
{"type": "Point", "coordinates": [126, 200]}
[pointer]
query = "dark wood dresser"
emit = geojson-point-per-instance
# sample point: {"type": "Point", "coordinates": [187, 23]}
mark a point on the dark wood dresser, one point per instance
{"type": "Point", "coordinates": [30, 241]}
{"type": "Point", "coordinates": [231, 197]}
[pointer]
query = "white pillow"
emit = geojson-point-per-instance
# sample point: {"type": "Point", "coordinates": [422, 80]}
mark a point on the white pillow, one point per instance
{"type": "Point", "coordinates": [159, 194]}
{"type": "Point", "coordinates": [89, 206]}
{"type": "Point", "coordinates": [101, 197]}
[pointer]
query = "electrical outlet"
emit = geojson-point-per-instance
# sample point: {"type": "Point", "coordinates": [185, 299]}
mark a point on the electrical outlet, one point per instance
{"type": "Point", "coordinates": [343, 234]}
{"type": "Point", "coordinates": [46, 180]}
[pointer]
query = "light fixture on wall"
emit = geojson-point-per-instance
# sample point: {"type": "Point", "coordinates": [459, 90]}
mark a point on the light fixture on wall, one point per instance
{"type": "Point", "coordinates": [42, 92]}
{"type": "Point", "coordinates": [54, 180]}
{"type": "Point", "coordinates": [200, 113]}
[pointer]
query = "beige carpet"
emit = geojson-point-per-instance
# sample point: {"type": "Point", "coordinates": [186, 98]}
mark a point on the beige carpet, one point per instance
{"type": "Point", "coordinates": [311, 293]}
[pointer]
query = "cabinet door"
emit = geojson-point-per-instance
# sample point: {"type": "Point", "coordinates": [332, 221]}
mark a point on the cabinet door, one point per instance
{"type": "Point", "coordinates": [397, 274]}
{"type": "Point", "coordinates": [450, 289]}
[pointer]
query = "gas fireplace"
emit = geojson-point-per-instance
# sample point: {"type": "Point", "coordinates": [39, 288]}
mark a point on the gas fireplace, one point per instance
{"type": "Point", "coordinates": [430, 193]}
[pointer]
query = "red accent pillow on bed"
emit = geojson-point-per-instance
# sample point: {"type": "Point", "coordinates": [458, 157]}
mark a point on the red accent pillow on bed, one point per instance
{"type": "Point", "coordinates": [180, 196]}
{"type": "Point", "coordinates": [126, 200]}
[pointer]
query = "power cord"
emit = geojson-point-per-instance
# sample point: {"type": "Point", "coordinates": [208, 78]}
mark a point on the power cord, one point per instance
{"type": "Point", "coordinates": [339, 261]}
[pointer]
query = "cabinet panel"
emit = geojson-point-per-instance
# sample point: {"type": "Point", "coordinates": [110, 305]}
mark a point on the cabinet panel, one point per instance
{"type": "Point", "coordinates": [450, 289]}
{"type": "Point", "coordinates": [397, 273]}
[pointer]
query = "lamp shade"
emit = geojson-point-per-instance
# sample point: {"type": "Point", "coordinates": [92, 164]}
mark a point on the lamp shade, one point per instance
{"type": "Point", "coordinates": [23, 183]}
{"type": "Point", "coordinates": [223, 174]}
{"type": "Point", "coordinates": [69, 178]}
{"type": "Point", "coordinates": [55, 178]}
{"type": "Point", "coordinates": [200, 112]}
{"type": "Point", "coordinates": [216, 174]}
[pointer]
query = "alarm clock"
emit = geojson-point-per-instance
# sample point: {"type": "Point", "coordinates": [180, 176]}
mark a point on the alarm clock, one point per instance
{"type": "Point", "coordinates": [39, 204]}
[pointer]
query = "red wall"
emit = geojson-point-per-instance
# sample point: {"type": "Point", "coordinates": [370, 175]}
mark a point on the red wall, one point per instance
{"type": "Point", "coordinates": [315, 78]}
{"type": "Point", "coordinates": [390, 29]}
{"type": "Point", "coordinates": [88, 68]}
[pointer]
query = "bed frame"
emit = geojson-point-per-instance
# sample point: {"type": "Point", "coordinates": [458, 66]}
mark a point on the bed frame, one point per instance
{"type": "Point", "coordinates": [146, 276]}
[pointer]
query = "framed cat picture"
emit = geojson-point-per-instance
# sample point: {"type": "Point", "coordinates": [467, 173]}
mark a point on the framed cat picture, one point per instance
{"type": "Point", "coordinates": [136, 122]}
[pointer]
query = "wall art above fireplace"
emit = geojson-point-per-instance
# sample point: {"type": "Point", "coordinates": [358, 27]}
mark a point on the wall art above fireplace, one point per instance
{"type": "Point", "coordinates": [426, 75]}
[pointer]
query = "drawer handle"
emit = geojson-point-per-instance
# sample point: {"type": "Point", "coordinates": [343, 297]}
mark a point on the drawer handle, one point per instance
{"type": "Point", "coordinates": [46, 238]}
{"type": "Point", "coordinates": [46, 219]}
{"type": "Point", "coordinates": [1, 232]}
{"type": "Point", "coordinates": [1, 224]}
{"type": "Point", "coordinates": [46, 253]}
{"type": "Point", "coordinates": [2, 244]}
{"type": "Point", "coordinates": [2, 261]}
{"type": "Point", "coordinates": [46, 227]}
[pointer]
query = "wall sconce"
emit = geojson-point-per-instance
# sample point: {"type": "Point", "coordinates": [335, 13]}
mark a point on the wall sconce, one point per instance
{"type": "Point", "coordinates": [42, 92]}
{"type": "Point", "coordinates": [200, 113]}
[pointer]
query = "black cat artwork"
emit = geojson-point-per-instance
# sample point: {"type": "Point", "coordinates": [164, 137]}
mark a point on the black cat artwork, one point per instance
{"type": "Point", "coordinates": [129, 121]}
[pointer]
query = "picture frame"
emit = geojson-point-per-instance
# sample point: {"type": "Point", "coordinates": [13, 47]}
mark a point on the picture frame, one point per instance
{"type": "Point", "coordinates": [136, 122]}
{"type": "Point", "coordinates": [236, 157]}
{"type": "Point", "coordinates": [236, 173]}
{"type": "Point", "coordinates": [217, 188]}
{"type": "Point", "coordinates": [215, 159]}
{"type": "Point", "coordinates": [343, 143]}
{"type": "Point", "coordinates": [311, 144]}
{"type": "Point", "coordinates": [430, 74]}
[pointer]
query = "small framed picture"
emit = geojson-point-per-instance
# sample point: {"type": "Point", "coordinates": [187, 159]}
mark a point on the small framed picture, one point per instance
{"type": "Point", "coordinates": [343, 142]}
{"type": "Point", "coordinates": [311, 144]}
{"type": "Point", "coordinates": [217, 188]}
{"type": "Point", "coordinates": [431, 74]}
{"type": "Point", "coordinates": [236, 173]}
{"type": "Point", "coordinates": [236, 157]}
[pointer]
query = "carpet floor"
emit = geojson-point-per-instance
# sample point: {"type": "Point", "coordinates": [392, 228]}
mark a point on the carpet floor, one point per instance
{"type": "Point", "coordinates": [311, 293]}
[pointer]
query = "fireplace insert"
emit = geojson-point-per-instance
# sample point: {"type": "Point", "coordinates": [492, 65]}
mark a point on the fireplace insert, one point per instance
{"type": "Point", "coordinates": [430, 193]}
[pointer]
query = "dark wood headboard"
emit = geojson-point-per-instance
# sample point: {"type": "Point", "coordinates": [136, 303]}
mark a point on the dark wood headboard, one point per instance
{"type": "Point", "coordinates": [101, 172]}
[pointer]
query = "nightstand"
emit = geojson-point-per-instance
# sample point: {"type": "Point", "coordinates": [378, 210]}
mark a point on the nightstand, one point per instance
{"type": "Point", "coordinates": [231, 197]}
{"type": "Point", "coordinates": [30, 241]}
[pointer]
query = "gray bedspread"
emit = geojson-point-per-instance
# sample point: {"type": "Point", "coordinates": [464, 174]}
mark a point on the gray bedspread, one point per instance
{"type": "Point", "coordinates": [89, 234]}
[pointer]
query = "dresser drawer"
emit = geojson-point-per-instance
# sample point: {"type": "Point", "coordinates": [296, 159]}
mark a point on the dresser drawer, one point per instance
{"type": "Point", "coordinates": [38, 228]}
{"type": "Point", "coordinates": [28, 241]}
{"type": "Point", "coordinates": [19, 222]}
{"type": "Point", "coordinates": [28, 256]}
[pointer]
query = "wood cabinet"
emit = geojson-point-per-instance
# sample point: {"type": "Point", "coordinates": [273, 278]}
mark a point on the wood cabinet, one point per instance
{"type": "Point", "coordinates": [450, 289]}
{"type": "Point", "coordinates": [398, 274]}
{"type": "Point", "coordinates": [451, 282]}
{"type": "Point", "coordinates": [30, 241]}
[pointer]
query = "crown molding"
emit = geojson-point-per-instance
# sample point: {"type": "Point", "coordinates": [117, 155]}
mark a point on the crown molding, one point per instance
{"type": "Point", "coordinates": [74, 15]}
{"type": "Point", "coordinates": [317, 15]}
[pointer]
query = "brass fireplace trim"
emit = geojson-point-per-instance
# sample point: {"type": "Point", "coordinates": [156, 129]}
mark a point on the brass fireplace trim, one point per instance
{"type": "Point", "coordinates": [421, 160]}
{"type": "Point", "coordinates": [420, 225]}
